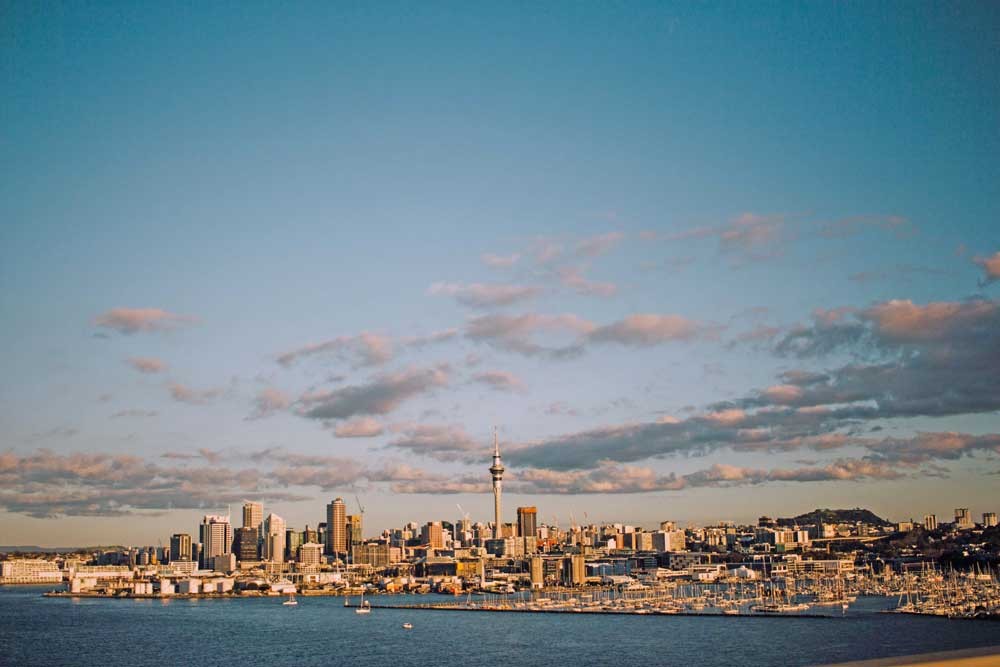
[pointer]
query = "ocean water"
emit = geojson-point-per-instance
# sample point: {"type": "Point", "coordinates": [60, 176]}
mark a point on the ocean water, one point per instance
{"type": "Point", "coordinates": [320, 631]}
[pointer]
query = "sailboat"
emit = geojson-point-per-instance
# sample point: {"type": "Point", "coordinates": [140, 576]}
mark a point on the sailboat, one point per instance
{"type": "Point", "coordinates": [291, 601]}
{"type": "Point", "coordinates": [365, 607]}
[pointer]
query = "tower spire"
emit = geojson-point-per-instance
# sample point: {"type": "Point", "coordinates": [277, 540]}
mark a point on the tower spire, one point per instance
{"type": "Point", "coordinates": [496, 471]}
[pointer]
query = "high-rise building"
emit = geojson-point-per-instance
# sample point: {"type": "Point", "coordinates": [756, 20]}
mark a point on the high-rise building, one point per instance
{"type": "Point", "coordinates": [293, 540]}
{"type": "Point", "coordinates": [433, 535]}
{"type": "Point", "coordinates": [180, 547]}
{"type": "Point", "coordinates": [216, 537]}
{"type": "Point", "coordinates": [245, 544]}
{"type": "Point", "coordinates": [336, 527]}
{"type": "Point", "coordinates": [354, 527]}
{"type": "Point", "coordinates": [253, 515]}
{"type": "Point", "coordinates": [963, 518]}
{"type": "Point", "coordinates": [274, 538]}
{"type": "Point", "coordinates": [310, 553]}
{"type": "Point", "coordinates": [930, 522]}
{"type": "Point", "coordinates": [496, 472]}
{"type": "Point", "coordinates": [989, 519]}
{"type": "Point", "coordinates": [527, 521]}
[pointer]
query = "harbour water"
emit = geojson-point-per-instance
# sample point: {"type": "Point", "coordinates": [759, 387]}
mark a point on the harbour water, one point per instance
{"type": "Point", "coordinates": [37, 631]}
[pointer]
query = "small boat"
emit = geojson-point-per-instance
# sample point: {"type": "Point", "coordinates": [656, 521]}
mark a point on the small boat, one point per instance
{"type": "Point", "coordinates": [365, 608]}
{"type": "Point", "coordinates": [291, 601]}
{"type": "Point", "coordinates": [407, 626]}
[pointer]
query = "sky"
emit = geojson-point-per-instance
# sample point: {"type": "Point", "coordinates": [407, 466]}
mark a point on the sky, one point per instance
{"type": "Point", "coordinates": [695, 262]}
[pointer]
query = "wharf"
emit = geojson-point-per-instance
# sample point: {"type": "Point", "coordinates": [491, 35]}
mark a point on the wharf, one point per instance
{"type": "Point", "coordinates": [581, 612]}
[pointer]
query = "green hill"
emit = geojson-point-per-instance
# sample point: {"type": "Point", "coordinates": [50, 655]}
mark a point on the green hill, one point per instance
{"type": "Point", "coordinates": [836, 516]}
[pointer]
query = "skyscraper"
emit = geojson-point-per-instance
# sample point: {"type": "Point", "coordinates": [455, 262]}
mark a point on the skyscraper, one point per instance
{"type": "Point", "coordinates": [336, 527]}
{"type": "Point", "coordinates": [253, 515]}
{"type": "Point", "coordinates": [433, 535]}
{"type": "Point", "coordinates": [353, 537]}
{"type": "Point", "coordinates": [496, 470]}
{"type": "Point", "coordinates": [245, 544]}
{"type": "Point", "coordinates": [527, 521]}
{"type": "Point", "coordinates": [180, 547]}
{"type": "Point", "coordinates": [274, 538]}
{"type": "Point", "coordinates": [963, 518]}
{"type": "Point", "coordinates": [216, 537]}
{"type": "Point", "coordinates": [930, 522]}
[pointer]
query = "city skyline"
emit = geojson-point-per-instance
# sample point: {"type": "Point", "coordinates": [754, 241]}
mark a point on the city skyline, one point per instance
{"type": "Point", "coordinates": [690, 261]}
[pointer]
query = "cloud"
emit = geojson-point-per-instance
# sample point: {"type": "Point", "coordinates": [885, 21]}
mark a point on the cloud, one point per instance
{"type": "Point", "coordinates": [444, 442]}
{"type": "Point", "coordinates": [269, 401]}
{"type": "Point", "coordinates": [845, 227]}
{"type": "Point", "coordinates": [45, 484]}
{"type": "Point", "coordinates": [134, 413]}
{"type": "Point", "coordinates": [499, 380]}
{"type": "Point", "coordinates": [362, 427]}
{"type": "Point", "coordinates": [364, 349]}
{"type": "Point", "coordinates": [184, 394]}
{"type": "Point", "coordinates": [485, 295]}
{"type": "Point", "coordinates": [755, 237]}
{"type": "Point", "coordinates": [644, 330]}
{"type": "Point", "coordinates": [146, 364]}
{"type": "Point", "coordinates": [380, 396]}
{"type": "Point", "coordinates": [595, 246]}
{"type": "Point", "coordinates": [991, 268]}
{"type": "Point", "coordinates": [129, 321]}
{"type": "Point", "coordinates": [430, 339]}
{"type": "Point", "coordinates": [500, 261]}
{"type": "Point", "coordinates": [515, 333]}
{"type": "Point", "coordinates": [573, 278]}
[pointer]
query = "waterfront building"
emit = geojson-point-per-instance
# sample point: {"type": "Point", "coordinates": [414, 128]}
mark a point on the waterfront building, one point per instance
{"type": "Point", "coordinates": [575, 570]}
{"type": "Point", "coordinates": [224, 563]}
{"type": "Point", "coordinates": [180, 547]}
{"type": "Point", "coordinates": [29, 571]}
{"type": "Point", "coordinates": [216, 537]}
{"type": "Point", "coordinates": [989, 519]}
{"type": "Point", "coordinates": [253, 515]}
{"type": "Point", "coordinates": [930, 522]}
{"type": "Point", "coordinates": [537, 569]}
{"type": "Point", "coordinates": [496, 472]}
{"type": "Point", "coordinates": [274, 538]}
{"type": "Point", "coordinates": [336, 527]}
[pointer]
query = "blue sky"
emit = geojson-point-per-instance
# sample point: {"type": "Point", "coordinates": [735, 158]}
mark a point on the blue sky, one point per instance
{"type": "Point", "coordinates": [621, 225]}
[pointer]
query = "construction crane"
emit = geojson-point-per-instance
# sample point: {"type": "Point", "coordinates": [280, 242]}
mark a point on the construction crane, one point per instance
{"type": "Point", "coordinates": [360, 506]}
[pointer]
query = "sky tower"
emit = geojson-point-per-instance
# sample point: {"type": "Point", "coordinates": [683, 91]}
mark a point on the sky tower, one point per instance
{"type": "Point", "coordinates": [497, 471]}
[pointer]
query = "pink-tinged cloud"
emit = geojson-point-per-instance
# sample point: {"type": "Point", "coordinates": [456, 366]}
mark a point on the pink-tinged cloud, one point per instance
{"type": "Point", "coordinates": [140, 320]}
{"type": "Point", "coordinates": [364, 349]}
{"type": "Point", "coordinates": [269, 401]}
{"type": "Point", "coordinates": [574, 278]}
{"type": "Point", "coordinates": [783, 394]}
{"type": "Point", "coordinates": [146, 364]}
{"type": "Point", "coordinates": [361, 427]}
{"type": "Point", "coordinates": [518, 333]}
{"type": "Point", "coordinates": [184, 394]}
{"type": "Point", "coordinates": [500, 261]}
{"type": "Point", "coordinates": [650, 329]}
{"type": "Point", "coordinates": [904, 321]}
{"type": "Point", "coordinates": [991, 268]}
{"type": "Point", "coordinates": [598, 245]}
{"type": "Point", "coordinates": [483, 295]}
{"type": "Point", "coordinates": [499, 380]}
